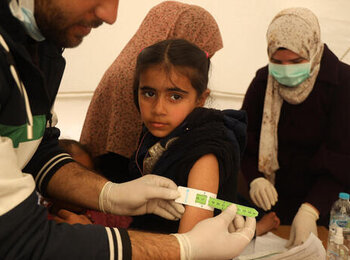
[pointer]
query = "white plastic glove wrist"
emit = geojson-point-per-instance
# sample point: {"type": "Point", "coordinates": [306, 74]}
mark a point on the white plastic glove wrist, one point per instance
{"type": "Point", "coordinates": [185, 246]}
{"type": "Point", "coordinates": [148, 194]}
{"type": "Point", "coordinates": [263, 193]}
{"type": "Point", "coordinates": [303, 224]}
{"type": "Point", "coordinates": [211, 238]}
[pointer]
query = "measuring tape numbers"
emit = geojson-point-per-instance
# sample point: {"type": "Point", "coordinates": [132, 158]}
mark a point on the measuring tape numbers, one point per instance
{"type": "Point", "coordinates": [207, 200]}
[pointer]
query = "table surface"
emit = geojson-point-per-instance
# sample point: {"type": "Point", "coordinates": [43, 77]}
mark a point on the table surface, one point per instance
{"type": "Point", "coordinates": [283, 232]}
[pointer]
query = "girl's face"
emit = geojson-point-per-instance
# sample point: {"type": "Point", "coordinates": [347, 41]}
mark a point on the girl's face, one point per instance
{"type": "Point", "coordinates": [165, 99]}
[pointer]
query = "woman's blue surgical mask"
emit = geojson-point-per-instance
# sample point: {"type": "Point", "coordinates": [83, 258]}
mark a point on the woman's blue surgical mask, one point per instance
{"type": "Point", "coordinates": [290, 75]}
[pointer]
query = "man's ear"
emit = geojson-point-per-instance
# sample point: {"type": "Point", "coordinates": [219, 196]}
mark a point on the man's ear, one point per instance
{"type": "Point", "coordinates": [203, 98]}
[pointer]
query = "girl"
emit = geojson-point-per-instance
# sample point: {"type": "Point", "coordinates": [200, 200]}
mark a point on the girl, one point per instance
{"type": "Point", "coordinates": [113, 125]}
{"type": "Point", "coordinates": [194, 146]}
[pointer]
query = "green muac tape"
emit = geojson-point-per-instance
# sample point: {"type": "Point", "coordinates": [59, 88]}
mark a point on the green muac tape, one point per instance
{"type": "Point", "coordinates": [222, 205]}
{"type": "Point", "coordinates": [207, 200]}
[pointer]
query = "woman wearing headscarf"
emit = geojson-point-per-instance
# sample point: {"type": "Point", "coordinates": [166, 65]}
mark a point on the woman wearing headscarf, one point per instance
{"type": "Point", "coordinates": [112, 125]}
{"type": "Point", "coordinates": [298, 109]}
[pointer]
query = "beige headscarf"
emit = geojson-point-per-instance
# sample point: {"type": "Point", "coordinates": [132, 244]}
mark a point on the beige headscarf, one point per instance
{"type": "Point", "coordinates": [295, 29]}
{"type": "Point", "coordinates": [113, 123]}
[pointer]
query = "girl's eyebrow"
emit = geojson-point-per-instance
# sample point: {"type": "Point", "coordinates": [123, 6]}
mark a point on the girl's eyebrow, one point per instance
{"type": "Point", "coordinates": [146, 88]}
{"type": "Point", "coordinates": [177, 89]}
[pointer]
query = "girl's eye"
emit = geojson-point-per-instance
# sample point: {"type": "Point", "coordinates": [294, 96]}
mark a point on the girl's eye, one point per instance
{"type": "Point", "coordinates": [148, 93]}
{"type": "Point", "coordinates": [176, 97]}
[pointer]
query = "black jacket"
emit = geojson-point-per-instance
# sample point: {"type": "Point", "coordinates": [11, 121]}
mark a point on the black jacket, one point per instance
{"type": "Point", "coordinates": [25, 232]}
{"type": "Point", "coordinates": [40, 67]}
{"type": "Point", "coordinates": [204, 131]}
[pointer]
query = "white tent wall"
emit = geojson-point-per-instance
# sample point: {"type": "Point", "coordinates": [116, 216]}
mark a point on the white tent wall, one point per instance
{"type": "Point", "coordinates": [243, 24]}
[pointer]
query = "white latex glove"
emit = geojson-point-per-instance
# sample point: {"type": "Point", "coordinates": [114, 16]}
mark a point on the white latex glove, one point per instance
{"type": "Point", "coordinates": [211, 238]}
{"type": "Point", "coordinates": [263, 193]}
{"type": "Point", "coordinates": [148, 194]}
{"type": "Point", "coordinates": [303, 224]}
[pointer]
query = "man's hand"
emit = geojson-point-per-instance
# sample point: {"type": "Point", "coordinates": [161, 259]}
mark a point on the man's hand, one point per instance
{"type": "Point", "coordinates": [148, 194]}
{"type": "Point", "coordinates": [303, 224]}
{"type": "Point", "coordinates": [263, 193]}
{"type": "Point", "coordinates": [222, 237]}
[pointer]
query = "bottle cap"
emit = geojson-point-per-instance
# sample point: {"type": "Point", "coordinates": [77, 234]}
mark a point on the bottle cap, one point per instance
{"type": "Point", "coordinates": [344, 195]}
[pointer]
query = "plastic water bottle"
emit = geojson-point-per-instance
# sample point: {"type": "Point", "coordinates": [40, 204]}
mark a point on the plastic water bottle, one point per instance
{"type": "Point", "coordinates": [337, 250]}
{"type": "Point", "coordinates": [340, 217]}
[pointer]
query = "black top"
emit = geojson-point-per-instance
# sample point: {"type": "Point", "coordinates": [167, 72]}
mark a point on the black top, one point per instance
{"type": "Point", "coordinates": [204, 131]}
